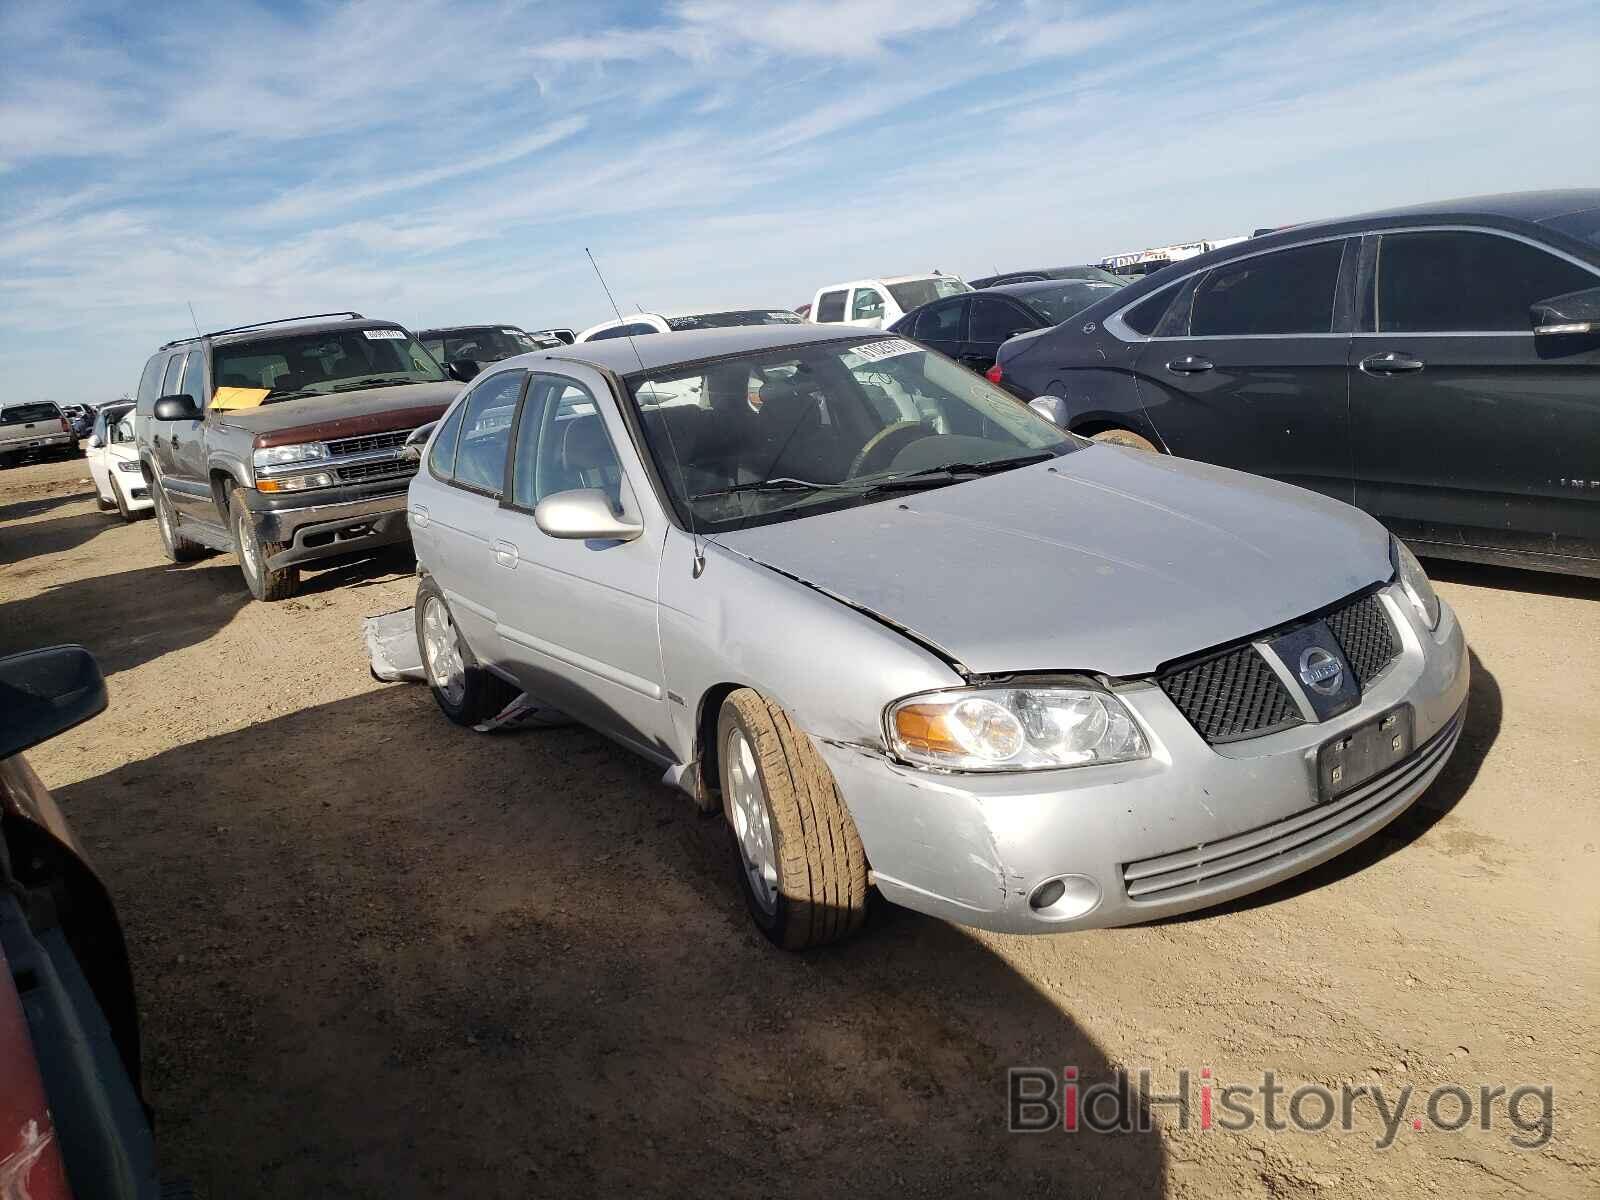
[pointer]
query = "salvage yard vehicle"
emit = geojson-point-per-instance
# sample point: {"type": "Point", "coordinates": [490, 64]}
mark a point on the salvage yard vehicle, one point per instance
{"type": "Point", "coordinates": [34, 429]}
{"type": "Point", "coordinates": [641, 324]}
{"type": "Point", "coordinates": [1039, 274]}
{"type": "Point", "coordinates": [1437, 366]}
{"type": "Point", "coordinates": [113, 458]}
{"type": "Point", "coordinates": [284, 442]}
{"type": "Point", "coordinates": [879, 303]}
{"type": "Point", "coordinates": [472, 346]}
{"type": "Point", "coordinates": [971, 327]}
{"type": "Point", "coordinates": [909, 635]}
{"type": "Point", "coordinates": [71, 1113]}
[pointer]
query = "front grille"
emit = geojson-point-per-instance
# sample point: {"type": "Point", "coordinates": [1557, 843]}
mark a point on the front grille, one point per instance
{"type": "Point", "coordinates": [356, 472]}
{"type": "Point", "coordinates": [1366, 637]}
{"type": "Point", "coordinates": [1214, 867]}
{"type": "Point", "coordinates": [371, 441]}
{"type": "Point", "coordinates": [1233, 695]}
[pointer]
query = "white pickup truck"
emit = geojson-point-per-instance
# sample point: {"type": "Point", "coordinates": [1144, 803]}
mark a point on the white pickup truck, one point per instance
{"type": "Point", "coordinates": [34, 428]}
{"type": "Point", "coordinates": [879, 303]}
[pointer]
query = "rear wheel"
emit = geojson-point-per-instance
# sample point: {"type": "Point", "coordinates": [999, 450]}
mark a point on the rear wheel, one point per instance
{"type": "Point", "coordinates": [464, 691]}
{"type": "Point", "coordinates": [1126, 437]}
{"type": "Point", "coordinates": [253, 554]}
{"type": "Point", "coordinates": [800, 863]}
{"type": "Point", "coordinates": [178, 548]}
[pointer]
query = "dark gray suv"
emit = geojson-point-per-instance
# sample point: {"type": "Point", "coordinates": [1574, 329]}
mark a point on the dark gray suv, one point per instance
{"type": "Point", "coordinates": [1438, 366]}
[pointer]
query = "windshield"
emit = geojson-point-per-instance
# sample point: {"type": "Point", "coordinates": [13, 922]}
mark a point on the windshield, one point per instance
{"type": "Point", "coordinates": [778, 434]}
{"type": "Point", "coordinates": [1585, 225]}
{"type": "Point", "coordinates": [315, 364]}
{"type": "Point", "coordinates": [18, 414]}
{"type": "Point", "coordinates": [1060, 301]}
{"type": "Point", "coordinates": [914, 293]}
{"type": "Point", "coordinates": [484, 344]}
{"type": "Point", "coordinates": [728, 320]}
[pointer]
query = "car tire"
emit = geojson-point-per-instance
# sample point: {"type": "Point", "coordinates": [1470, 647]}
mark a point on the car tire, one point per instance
{"type": "Point", "coordinates": [102, 503]}
{"type": "Point", "coordinates": [464, 691]}
{"type": "Point", "coordinates": [120, 504]}
{"type": "Point", "coordinates": [1125, 437]}
{"type": "Point", "coordinates": [796, 851]}
{"type": "Point", "coordinates": [177, 547]}
{"type": "Point", "coordinates": [264, 582]}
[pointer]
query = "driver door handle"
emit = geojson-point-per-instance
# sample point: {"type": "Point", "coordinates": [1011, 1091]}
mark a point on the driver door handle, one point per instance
{"type": "Point", "coordinates": [1390, 362]}
{"type": "Point", "coordinates": [505, 554]}
{"type": "Point", "coordinates": [1189, 365]}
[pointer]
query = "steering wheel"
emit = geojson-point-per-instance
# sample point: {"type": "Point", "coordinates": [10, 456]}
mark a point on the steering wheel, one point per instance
{"type": "Point", "coordinates": [882, 446]}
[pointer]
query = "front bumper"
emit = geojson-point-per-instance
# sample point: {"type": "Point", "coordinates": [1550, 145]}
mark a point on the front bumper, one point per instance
{"type": "Point", "coordinates": [1191, 826]}
{"type": "Point", "coordinates": [334, 529]}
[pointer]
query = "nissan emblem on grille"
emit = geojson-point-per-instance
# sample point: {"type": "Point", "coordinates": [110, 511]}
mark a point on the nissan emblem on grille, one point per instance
{"type": "Point", "coordinates": [1320, 670]}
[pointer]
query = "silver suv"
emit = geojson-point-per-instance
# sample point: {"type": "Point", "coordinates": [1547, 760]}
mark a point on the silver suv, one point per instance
{"type": "Point", "coordinates": [909, 636]}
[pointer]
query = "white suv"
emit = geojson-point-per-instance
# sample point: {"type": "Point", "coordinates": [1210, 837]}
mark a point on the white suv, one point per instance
{"type": "Point", "coordinates": [879, 303]}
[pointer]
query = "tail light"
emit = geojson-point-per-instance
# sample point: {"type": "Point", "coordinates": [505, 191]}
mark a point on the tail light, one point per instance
{"type": "Point", "coordinates": [65, 428]}
{"type": "Point", "coordinates": [994, 374]}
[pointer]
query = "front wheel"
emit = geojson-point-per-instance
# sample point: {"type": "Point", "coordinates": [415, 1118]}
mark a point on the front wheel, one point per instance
{"type": "Point", "coordinates": [265, 582]}
{"type": "Point", "coordinates": [800, 863]}
{"type": "Point", "coordinates": [464, 691]}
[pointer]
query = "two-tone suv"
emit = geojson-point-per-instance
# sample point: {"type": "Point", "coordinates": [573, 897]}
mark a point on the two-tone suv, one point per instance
{"type": "Point", "coordinates": [284, 442]}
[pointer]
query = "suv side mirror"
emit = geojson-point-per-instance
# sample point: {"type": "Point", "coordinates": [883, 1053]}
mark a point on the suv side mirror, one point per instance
{"type": "Point", "coordinates": [177, 407]}
{"type": "Point", "coordinates": [1575, 312]}
{"type": "Point", "coordinates": [46, 692]}
{"type": "Point", "coordinates": [584, 514]}
{"type": "Point", "coordinates": [462, 370]}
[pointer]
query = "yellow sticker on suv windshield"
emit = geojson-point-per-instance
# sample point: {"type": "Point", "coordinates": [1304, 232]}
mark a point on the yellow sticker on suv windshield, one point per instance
{"type": "Point", "coordinates": [225, 398]}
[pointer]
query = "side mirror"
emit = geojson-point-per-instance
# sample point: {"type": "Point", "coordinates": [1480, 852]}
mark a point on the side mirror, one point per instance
{"type": "Point", "coordinates": [178, 407]}
{"type": "Point", "coordinates": [411, 450]}
{"type": "Point", "coordinates": [584, 514]}
{"type": "Point", "coordinates": [462, 370]}
{"type": "Point", "coordinates": [46, 692]}
{"type": "Point", "coordinates": [1051, 408]}
{"type": "Point", "coordinates": [1575, 312]}
{"type": "Point", "coordinates": [94, 441]}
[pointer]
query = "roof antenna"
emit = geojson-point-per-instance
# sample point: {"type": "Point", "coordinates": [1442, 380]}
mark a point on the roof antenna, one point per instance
{"type": "Point", "coordinates": [192, 320]}
{"type": "Point", "coordinates": [694, 534]}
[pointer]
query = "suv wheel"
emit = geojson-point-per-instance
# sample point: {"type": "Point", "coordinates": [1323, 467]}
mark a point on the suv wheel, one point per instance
{"type": "Point", "coordinates": [799, 858]}
{"type": "Point", "coordinates": [253, 553]}
{"type": "Point", "coordinates": [465, 692]}
{"type": "Point", "coordinates": [178, 548]}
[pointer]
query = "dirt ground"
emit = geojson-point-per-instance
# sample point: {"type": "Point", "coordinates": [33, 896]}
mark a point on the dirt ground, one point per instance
{"type": "Point", "coordinates": [378, 955]}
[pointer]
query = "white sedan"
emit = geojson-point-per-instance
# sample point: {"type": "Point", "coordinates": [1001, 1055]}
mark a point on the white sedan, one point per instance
{"type": "Point", "coordinates": [114, 463]}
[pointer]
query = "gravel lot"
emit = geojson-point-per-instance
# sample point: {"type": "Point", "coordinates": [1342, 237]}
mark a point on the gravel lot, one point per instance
{"type": "Point", "coordinates": [380, 955]}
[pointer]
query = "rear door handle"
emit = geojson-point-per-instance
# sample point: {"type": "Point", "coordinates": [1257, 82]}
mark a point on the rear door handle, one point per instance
{"type": "Point", "coordinates": [505, 554]}
{"type": "Point", "coordinates": [1189, 365]}
{"type": "Point", "coordinates": [1390, 362]}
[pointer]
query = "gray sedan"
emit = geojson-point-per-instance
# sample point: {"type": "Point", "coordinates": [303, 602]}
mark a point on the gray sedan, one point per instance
{"type": "Point", "coordinates": [910, 637]}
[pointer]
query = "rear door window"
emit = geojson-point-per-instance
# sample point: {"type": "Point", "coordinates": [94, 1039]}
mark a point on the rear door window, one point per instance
{"type": "Point", "coordinates": [485, 432]}
{"type": "Point", "coordinates": [830, 306]}
{"type": "Point", "coordinates": [866, 304]}
{"type": "Point", "coordinates": [1145, 317]}
{"type": "Point", "coordinates": [1290, 291]}
{"type": "Point", "coordinates": [940, 322]}
{"type": "Point", "coordinates": [1457, 281]}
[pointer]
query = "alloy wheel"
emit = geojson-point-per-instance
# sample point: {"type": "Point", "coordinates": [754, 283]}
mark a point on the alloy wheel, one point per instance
{"type": "Point", "coordinates": [752, 825]}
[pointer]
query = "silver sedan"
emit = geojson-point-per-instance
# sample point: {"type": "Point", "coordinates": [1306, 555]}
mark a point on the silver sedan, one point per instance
{"type": "Point", "coordinates": [909, 637]}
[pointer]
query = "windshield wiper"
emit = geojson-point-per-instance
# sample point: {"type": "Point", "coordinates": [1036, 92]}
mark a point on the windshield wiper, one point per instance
{"type": "Point", "coordinates": [992, 467]}
{"type": "Point", "coordinates": [782, 483]}
{"type": "Point", "coordinates": [926, 477]}
{"type": "Point", "coordinates": [375, 381]}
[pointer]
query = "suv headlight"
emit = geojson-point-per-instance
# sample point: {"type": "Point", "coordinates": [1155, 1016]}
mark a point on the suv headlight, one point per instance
{"type": "Point", "coordinates": [1414, 582]}
{"type": "Point", "coordinates": [282, 456]}
{"type": "Point", "coordinates": [1013, 728]}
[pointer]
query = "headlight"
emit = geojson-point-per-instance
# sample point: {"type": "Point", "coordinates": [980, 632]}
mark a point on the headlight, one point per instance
{"type": "Point", "coordinates": [129, 465]}
{"type": "Point", "coordinates": [1013, 729]}
{"type": "Point", "coordinates": [278, 456]}
{"type": "Point", "coordinates": [1414, 580]}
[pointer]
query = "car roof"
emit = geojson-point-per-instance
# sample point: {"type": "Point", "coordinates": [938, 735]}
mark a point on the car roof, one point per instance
{"type": "Point", "coordinates": [1029, 286]}
{"type": "Point", "coordinates": [887, 279]}
{"type": "Point", "coordinates": [437, 329]}
{"type": "Point", "coordinates": [295, 329]}
{"type": "Point", "coordinates": [655, 351]}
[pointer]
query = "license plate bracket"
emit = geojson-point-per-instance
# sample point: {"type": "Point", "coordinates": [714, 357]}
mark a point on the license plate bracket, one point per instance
{"type": "Point", "coordinates": [1359, 754]}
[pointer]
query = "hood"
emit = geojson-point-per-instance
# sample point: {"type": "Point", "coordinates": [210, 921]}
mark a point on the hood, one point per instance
{"type": "Point", "coordinates": [1104, 560]}
{"type": "Point", "coordinates": [344, 414]}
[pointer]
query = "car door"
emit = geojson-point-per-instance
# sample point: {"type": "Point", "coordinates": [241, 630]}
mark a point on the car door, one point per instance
{"type": "Point", "coordinates": [992, 321]}
{"type": "Point", "coordinates": [187, 479]}
{"type": "Point", "coordinates": [577, 620]}
{"type": "Point", "coordinates": [1469, 430]}
{"type": "Point", "coordinates": [97, 455]}
{"type": "Point", "coordinates": [162, 432]}
{"type": "Point", "coordinates": [941, 326]}
{"type": "Point", "coordinates": [469, 458]}
{"type": "Point", "coordinates": [867, 305]}
{"type": "Point", "coordinates": [1248, 368]}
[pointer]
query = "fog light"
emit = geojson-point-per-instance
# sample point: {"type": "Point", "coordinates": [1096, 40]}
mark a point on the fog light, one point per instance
{"type": "Point", "coordinates": [1065, 897]}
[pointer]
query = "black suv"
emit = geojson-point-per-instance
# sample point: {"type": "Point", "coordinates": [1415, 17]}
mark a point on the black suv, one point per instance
{"type": "Point", "coordinates": [472, 347]}
{"type": "Point", "coordinates": [285, 442]}
{"type": "Point", "coordinates": [1438, 366]}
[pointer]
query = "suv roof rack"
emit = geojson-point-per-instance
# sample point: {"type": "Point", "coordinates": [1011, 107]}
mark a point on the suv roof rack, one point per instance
{"type": "Point", "coordinates": [354, 316]}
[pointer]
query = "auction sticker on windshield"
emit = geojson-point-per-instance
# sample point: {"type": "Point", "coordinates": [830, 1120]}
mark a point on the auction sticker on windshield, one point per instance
{"type": "Point", "coordinates": [385, 335]}
{"type": "Point", "coordinates": [875, 351]}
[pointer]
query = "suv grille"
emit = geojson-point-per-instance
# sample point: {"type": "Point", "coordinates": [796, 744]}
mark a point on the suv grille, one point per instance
{"type": "Point", "coordinates": [371, 441]}
{"type": "Point", "coordinates": [1366, 637]}
{"type": "Point", "coordinates": [355, 472]}
{"type": "Point", "coordinates": [1236, 695]}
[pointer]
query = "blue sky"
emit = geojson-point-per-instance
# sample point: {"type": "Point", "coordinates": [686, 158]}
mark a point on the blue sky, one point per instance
{"type": "Point", "coordinates": [442, 162]}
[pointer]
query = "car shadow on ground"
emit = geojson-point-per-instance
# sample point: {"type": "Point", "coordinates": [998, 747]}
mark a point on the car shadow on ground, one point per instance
{"type": "Point", "coordinates": [380, 954]}
{"type": "Point", "coordinates": [103, 613]}
{"type": "Point", "coordinates": [22, 539]}
{"type": "Point", "coordinates": [17, 510]}
{"type": "Point", "coordinates": [1478, 734]}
